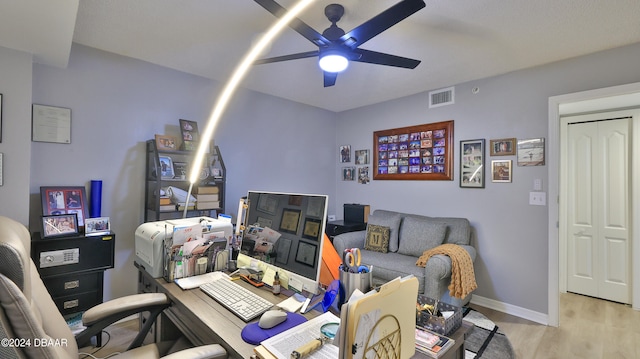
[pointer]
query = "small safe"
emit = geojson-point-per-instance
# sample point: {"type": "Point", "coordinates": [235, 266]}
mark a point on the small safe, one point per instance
{"type": "Point", "coordinates": [72, 268]}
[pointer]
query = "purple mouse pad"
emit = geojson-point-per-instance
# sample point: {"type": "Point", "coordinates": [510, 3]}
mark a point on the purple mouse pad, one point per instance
{"type": "Point", "coordinates": [253, 334]}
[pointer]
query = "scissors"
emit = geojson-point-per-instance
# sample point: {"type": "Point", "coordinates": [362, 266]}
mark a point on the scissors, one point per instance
{"type": "Point", "coordinates": [351, 258]}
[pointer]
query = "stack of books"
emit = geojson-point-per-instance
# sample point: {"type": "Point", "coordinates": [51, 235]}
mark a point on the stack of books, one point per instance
{"type": "Point", "coordinates": [432, 344]}
{"type": "Point", "coordinates": [166, 205]}
{"type": "Point", "coordinates": [207, 197]}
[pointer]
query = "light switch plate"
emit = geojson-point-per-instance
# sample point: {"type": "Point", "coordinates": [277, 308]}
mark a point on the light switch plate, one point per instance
{"type": "Point", "coordinates": [537, 198]}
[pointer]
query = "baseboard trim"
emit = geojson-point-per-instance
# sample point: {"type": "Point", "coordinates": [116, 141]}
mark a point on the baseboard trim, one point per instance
{"type": "Point", "coordinates": [510, 309]}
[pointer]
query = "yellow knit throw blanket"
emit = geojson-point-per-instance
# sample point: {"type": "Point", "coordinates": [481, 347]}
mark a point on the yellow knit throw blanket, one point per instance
{"type": "Point", "coordinates": [463, 278]}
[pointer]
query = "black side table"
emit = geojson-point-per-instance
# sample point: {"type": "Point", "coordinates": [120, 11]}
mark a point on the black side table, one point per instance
{"type": "Point", "coordinates": [338, 227]}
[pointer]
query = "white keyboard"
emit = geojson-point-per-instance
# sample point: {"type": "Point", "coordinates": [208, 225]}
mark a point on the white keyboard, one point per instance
{"type": "Point", "coordinates": [242, 302]}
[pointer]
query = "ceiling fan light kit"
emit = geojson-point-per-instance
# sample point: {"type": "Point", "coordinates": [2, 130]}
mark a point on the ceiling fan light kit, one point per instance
{"type": "Point", "coordinates": [333, 61]}
{"type": "Point", "coordinates": [337, 48]}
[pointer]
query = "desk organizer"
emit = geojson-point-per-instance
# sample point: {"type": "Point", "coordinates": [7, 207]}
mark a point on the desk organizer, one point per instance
{"type": "Point", "coordinates": [438, 324]}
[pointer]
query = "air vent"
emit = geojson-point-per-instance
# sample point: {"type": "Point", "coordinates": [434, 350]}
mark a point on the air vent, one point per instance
{"type": "Point", "coordinates": [442, 97]}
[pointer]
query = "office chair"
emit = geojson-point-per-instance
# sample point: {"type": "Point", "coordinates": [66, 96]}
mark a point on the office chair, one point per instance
{"type": "Point", "coordinates": [32, 327]}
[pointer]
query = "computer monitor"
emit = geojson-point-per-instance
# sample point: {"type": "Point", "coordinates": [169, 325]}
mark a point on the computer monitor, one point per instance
{"type": "Point", "coordinates": [284, 233]}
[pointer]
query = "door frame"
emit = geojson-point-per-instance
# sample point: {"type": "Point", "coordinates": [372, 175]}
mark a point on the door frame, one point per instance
{"type": "Point", "coordinates": [605, 99]}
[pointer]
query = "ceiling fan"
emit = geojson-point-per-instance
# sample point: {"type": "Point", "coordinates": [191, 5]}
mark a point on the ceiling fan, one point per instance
{"type": "Point", "coordinates": [336, 48]}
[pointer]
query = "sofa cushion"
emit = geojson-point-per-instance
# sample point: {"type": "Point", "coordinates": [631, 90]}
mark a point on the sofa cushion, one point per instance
{"type": "Point", "coordinates": [377, 238]}
{"type": "Point", "coordinates": [391, 220]}
{"type": "Point", "coordinates": [459, 230]}
{"type": "Point", "coordinates": [417, 236]}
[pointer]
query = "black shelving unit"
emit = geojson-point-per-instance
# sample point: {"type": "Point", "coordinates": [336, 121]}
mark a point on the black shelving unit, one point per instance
{"type": "Point", "coordinates": [213, 174]}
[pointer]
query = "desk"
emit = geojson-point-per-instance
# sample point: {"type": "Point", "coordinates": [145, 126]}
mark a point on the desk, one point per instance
{"type": "Point", "coordinates": [202, 320]}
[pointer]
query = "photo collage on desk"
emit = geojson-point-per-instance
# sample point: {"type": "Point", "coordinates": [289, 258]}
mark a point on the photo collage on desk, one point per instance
{"type": "Point", "coordinates": [415, 152]}
{"type": "Point", "coordinates": [359, 172]}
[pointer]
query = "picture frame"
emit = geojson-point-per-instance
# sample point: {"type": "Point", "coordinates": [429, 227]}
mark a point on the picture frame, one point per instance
{"type": "Point", "coordinates": [311, 229]}
{"type": "Point", "coordinates": [421, 152]}
{"type": "Point", "coordinates": [345, 153]}
{"type": "Point", "coordinates": [65, 200]}
{"type": "Point", "coordinates": [363, 175]}
{"type": "Point", "coordinates": [362, 157]}
{"type": "Point", "coordinates": [290, 220]}
{"type": "Point", "coordinates": [181, 169]}
{"type": "Point", "coordinates": [306, 254]}
{"type": "Point", "coordinates": [348, 173]}
{"type": "Point", "coordinates": [59, 225]}
{"type": "Point", "coordinates": [50, 124]}
{"type": "Point", "coordinates": [166, 143]}
{"type": "Point", "coordinates": [501, 171]}
{"type": "Point", "coordinates": [166, 167]}
{"type": "Point", "coordinates": [190, 134]}
{"type": "Point", "coordinates": [531, 152]}
{"type": "Point", "coordinates": [97, 226]}
{"type": "Point", "coordinates": [503, 147]}
{"type": "Point", "coordinates": [472, 161]}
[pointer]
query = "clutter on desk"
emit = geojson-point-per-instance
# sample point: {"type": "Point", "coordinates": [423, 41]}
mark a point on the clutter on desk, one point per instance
{"type": "Point", "coordinates": [204, 242]}
{"type": "Point", "coordinates": [436, 316]}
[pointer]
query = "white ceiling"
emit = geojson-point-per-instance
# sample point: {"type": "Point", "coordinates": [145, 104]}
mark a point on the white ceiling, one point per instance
{"type": "Point", "coordinates": [457, 40]}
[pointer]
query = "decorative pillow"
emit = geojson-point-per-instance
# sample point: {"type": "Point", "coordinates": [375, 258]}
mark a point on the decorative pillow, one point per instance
{"type": "Point", "coordinates": [391, 220]}
{"type": "Point", "coordinates": [416, 236]}
{"type": "Point", "coordinates": [377, 238]}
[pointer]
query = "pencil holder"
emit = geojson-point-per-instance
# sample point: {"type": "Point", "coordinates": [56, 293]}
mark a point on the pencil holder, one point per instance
{"type": "Point", "coordinates": [349, 282]}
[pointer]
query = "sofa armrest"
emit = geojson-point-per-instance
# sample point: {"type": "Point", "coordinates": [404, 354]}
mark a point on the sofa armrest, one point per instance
{"type": "Point", "coordinates": [471, 250]}
{"type": "Point", "coordinates": [349, 240]}
{"type": "Point", "coordinates": [439, 265]}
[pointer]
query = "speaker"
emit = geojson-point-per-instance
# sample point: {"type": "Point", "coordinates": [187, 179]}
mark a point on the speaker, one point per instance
{"type": "Point", "coordinates": [356, 213]}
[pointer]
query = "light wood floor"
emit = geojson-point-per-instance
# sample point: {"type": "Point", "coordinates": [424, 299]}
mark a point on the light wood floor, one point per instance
{"type": "Point", "coordinates": [589, 328]}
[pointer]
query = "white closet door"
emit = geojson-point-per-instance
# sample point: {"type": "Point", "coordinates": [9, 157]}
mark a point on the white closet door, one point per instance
{"type": "Point", "coordinates": [598, 167]}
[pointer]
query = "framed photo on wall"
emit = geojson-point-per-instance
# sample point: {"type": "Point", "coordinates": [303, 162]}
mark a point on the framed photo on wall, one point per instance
{"type": "Point", "coordinates": [345, 153]}
{"type": "Point", "coordinates": [531, 152]}
{"type": "Point", "coordinates": [65, 200]}
{"type": "Point", "coordinates": [503, 147]}
{"type": "Point", "coordinates": [190, 134]}
{"type": "Point", "coordinates": [422, 152]}
{"type": "Point", "coordinates": [472, 163]}
{"type": "Point", "coordinates": [501, 171]}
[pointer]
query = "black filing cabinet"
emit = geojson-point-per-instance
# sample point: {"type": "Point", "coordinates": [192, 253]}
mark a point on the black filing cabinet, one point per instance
{"type": "Point", "coordinates": [72, 268]}
{"type": "Point", "coordinates": [338, 227]}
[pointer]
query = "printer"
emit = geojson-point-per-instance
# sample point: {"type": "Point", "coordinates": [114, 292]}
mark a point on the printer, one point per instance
{"type": "Point", "coordinates": [152, 237]}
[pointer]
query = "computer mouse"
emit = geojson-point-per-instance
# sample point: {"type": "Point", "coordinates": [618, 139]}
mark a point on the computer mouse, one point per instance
{"type": "Point", "coordinates": [271, 318]}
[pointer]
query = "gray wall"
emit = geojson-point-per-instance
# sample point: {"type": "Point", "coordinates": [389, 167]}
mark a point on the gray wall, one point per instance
{"type": "Point", "coordinates": [272, 144]}
{"type": "Point", "coordinates": [511, 234]}
{"type": "Point", "coordinates": [118, 103]}
{"type": "Point", "coordinates": [15, 87]}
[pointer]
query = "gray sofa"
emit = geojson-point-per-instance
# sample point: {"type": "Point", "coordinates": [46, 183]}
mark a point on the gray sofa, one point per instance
{"type": "Point", "coordinates": [410, 235]}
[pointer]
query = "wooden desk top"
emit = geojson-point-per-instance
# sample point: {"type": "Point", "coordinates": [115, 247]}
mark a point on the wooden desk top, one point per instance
{"type": "Point", "coordinates": [204, 321]}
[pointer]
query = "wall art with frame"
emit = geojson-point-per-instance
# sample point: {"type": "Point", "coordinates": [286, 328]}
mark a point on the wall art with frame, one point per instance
{"type": "Point", "coordinates": [531, 152]}
{"type": "Point", "coordinates": [422, 152]}
{"type": "Point", "coordinates": [472, 163]}
{"type": "Point", "coordinates": [501, 171]}
{"type": "Point", "coordinates": [65, 200]}
{"type": "Point", "coordinates": [503, 147]}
